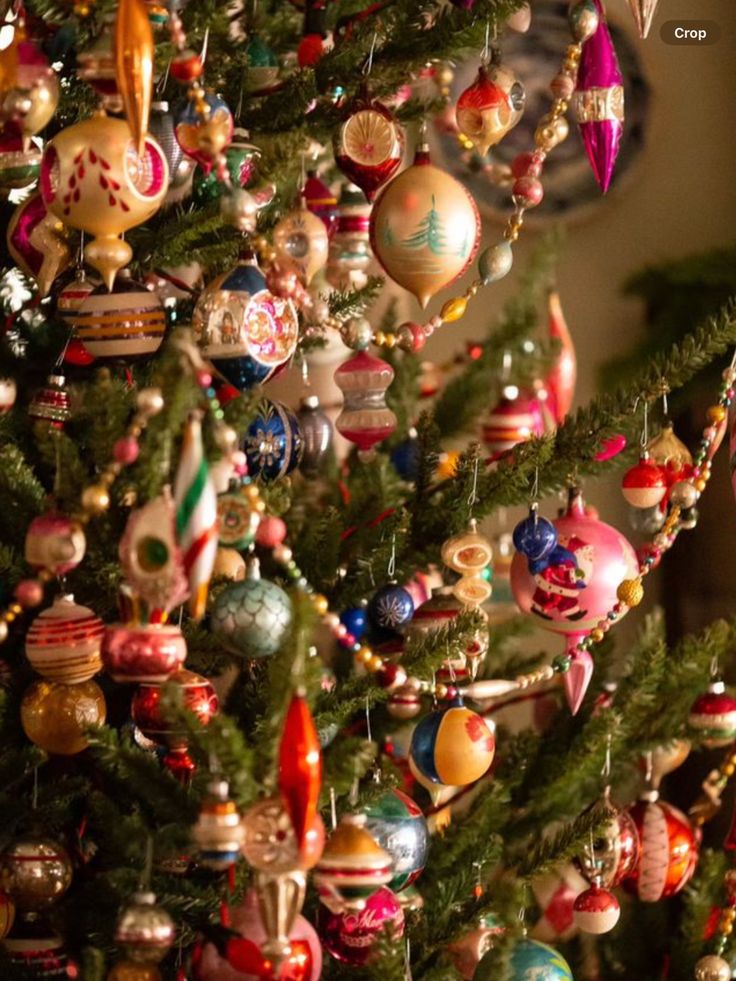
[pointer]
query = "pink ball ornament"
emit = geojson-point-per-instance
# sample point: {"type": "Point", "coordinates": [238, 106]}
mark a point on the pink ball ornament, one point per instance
{"type": "Point", "coordinates": [126, 450]}
{"type": "Point", "coordinates": [246, 919]}
{"type": "Point", "coordinates": [350, 937]}
{"type": "Point", "coordinates": [271, 532]}
{"type": "Point", "coordinates": [574, 587]}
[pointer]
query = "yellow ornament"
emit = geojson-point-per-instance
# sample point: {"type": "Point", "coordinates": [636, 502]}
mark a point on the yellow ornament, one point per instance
{"type": "Point", "coordinates": [29, 87]}
{"type": "Point", "coordinates": [425, 228]}
{"type": "Point", "coordinates": [134, 57]}
{"type": "Point", "coordinates": [38, 243]}
{"type": "Point", "coordinates": [301, 242]}
{"type": "Point", "coordinates": [55, 716]}
{"type": "Point", "coordinates": [93, 178]}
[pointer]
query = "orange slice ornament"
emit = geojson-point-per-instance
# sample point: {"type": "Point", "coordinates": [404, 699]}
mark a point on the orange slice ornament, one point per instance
{"type": "Point", "coordinates": [369, 145]}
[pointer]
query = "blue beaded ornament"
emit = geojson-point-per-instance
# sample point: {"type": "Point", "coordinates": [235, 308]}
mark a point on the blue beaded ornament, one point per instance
{"type": "Point", "coordinates": [273, 442]}
{"type": "Point", "coordinates": [391, 607]}
{"type": "Point", "coordinates": [534, 537]}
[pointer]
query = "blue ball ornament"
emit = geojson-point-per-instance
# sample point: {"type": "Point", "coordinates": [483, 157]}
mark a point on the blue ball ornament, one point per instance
{"type": "Point", "coordinates": [391, 607]}
{"type": "Point", "coordinates": [398, 825]}
{"type": "Point", "coordinates": [405, 458]}
{"type": "Point", "coordinates": [531, 960]}
{"type": "Point", "coordinates": [273, 442]}
{"type": "Point", "coordinates": [535, 537]}
{"type": "Point", "coordinates": [355, 620]}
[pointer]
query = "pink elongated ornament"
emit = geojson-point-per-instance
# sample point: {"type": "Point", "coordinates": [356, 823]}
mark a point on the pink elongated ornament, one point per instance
{"type": "Point", "coordinates": [598, 101]}
{"type": "Point", "coordinates": [563, 374]}
{"type": "Point", "coordinates": [574, 587]}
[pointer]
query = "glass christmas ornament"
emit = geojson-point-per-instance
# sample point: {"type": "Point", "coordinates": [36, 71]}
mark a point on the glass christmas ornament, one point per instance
{"type": "Point", "coordinates": [63, 643]}
{"type": "Point", "coordinates": [161, 128]}
{"type": "Point", "coordinates": [350, 937]}
{"type": "Point", "coordinates": [262, 69]}
{"type": "Point", "coordinates": [300, 242]}
{"type": "Point", "coordinates": [669, 849]}
{"type": "Point", "coordinates": [316, 429]}
{"type": "Point", "coordinates": [8, 394]}
{"type": "Point", "coordinates": [404, 702]}
{"type": "Point", "coordinates": [555, 893]}
{"type": "Point", "coordinates": [399, 826]}
{"type": "Point", "coordinates": [425, 228]}
{"type": "Point", "coordinates": [596, 910]}
{"type": "Point", "coordinates": [613, 853]}
{"type": "Point", "coordinates": [29, 87]}
{"type": "Point", "coordinates": [124, 322]}
{"type": "Point", "coordinates": [35, 871]}
{"type": "Point", "coordinates": [300, 769]}
{"type": "Point", "coordinates": [273, 443]}
{"type": "Point", "coordinates": [468, 554]}
{"type": "Point", "coordinates": [643, 12]}
{"type": "Point", "coordinates": [241, 160]}
{"type": "Point", "coordinates": [140, 652]}
{"type": "Point", "coordinates": [197, 696]}
{"type": "Point", "coordinates": [152, 561]}
{"type": "Point", "coordinates": [133, 52]}
{"type": "Point", "coordinates": [96, 66]}
{"type": "Point", "coordinates": [644, 485]}
{"type": "Point", "coordinates": [353, 866]}
{"type": "Point", "coordinates": [668, 451]}
{"type": "Point", "coordinates": [562, 376]}
{"type": "Point", "coordinates": [647, 521]}
{"type": "Point", "coordinates": [270, 844]}
{"type": "Point", "coordinates": [251, 618]}
{"type": "Point", "coordinates": [598, 101]}
{"type": "Point", "coordinates": [130, 971]}
{"type": "Point", "coordinates": [7, 914]}
{"type": "Point", "coordinates": [55, 716]}
{"type": "Point", "coordinates": [489, 108]}
{"type": "Point", "coordinates": [92, 178]}
{"type": "Point", "coordinates": [350, 251]}
{"type": "Point", "coordinates": [467, 952]}
{"type": "Point", "coordinates": [713, 716]}
{"type": "Point", "coordinates": [229, 564]}
{"type": "Point", "coordinates": [204, 134]}
{"type": "Point", "coordinates": [534, 537]}
{"type": "Point", "coordinates": [237, 520]}
{"type": "Point", "coordinates": [55, 542]}
{"type": "Point", "coordinates": [439, 611]}
{"type": "Point", "coordinates": [452, 746]}
{"type": "Point", "coordinates": [20, 165]}
{"type": "Point", "coordinates": [575, 585]}
{"type": "Point", "coordinates": [321, 202]}
{"type": "Point", "coordinates": [712, 968]}
{"type": "Point", "coordinates": [242, 328]}
{"type": "Point", "coordinates": [144, 931]}
{"type": "Point", "coordinates": [72, 294]}
{"type": "Point", "coordinates": [512, 421]}
{"type": "Point", "coordinates": [38, 243]}
{"type": "Point", "coordinates": [369, 145]}
{"type": "Point", "coordinates": [530, 959]}
{"type": "Point", "coordinates": [51, 404]}
{"type": "Point", "coordinates": [391, 607]}
{"type": "Point", "coordinates": [365, 418]}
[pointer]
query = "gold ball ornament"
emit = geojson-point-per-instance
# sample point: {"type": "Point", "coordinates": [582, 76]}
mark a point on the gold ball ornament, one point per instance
{"type": "Point", "coordinates": [712, 968]}
{"type": "Point", "coordinates": [35, 871]}
{"type": "Point", "coordinates": [630, 592]}
{"type": "Point", "coordinates": [425, 228]}
{"type": "Point", "coordinates": [301, 242]}
{"type": "Point", "coordinates": [229, 564]}
{"type": "Point", "coordinates": [93, 178]}
{"type": "Point", "coordinates": [55, 716]}
{"type": "Point", "coordinates": [29, 87]}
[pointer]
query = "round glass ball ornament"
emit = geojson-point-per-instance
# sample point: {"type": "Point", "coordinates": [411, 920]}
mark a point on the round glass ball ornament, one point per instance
{"type": "Point", "coordinates": [529, 959]}
{"type": "Point", "coordinates": [63, 643]}
{"type": "Point", "coordinates": [669, 849]}
{"type": "Point", "coordinates": [399, 826]}
{"type": "Point", "coordinates": [144, 931]}
{"type": "Point", "coordinates": [125, 323]}
{"type": "Point", "coordinates": [251, 618]}
{"type": "Point", "coordinates": [35, 871]}
{"type": "Point", "coordinates": [351, 936]}
{"type": "Point", "coordinates": [197, 696]}
{"type": "Point", "coordinates": [596, 910]}
{"type": "Point", "coordinates": [391, 607]}
{"type": "Point", "coordinates": [56, 716]}
{"type": "Point", "coordinates": [273, 443]}
{"type": "Point", "coordinates": [55, 542]}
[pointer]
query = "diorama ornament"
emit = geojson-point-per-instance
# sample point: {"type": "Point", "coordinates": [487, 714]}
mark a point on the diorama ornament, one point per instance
{"type": "Point", "coordinates": [425, 228]}
{"type": "Point", "coordinates": [713, 716]}
{"type": "Point", "coordinates": [489, 108]}
{"type": "Point", "coordinates": [369, 145]}
{"type": "Point", "coordinates": [63, 643]}
{"type": "Point", "coordinates": [669, 849]}
{"type": "Point", "coordinates": [273, 442]}
{"type": "Point", "coordinates": [251, 617]}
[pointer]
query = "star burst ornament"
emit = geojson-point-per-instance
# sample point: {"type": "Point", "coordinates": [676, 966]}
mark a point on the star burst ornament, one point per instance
{"type": "Point", "coordinates": [598, 101]}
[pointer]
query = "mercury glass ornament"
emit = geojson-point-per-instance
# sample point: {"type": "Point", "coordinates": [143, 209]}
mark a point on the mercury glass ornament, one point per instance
{"type": "Point", "coordinates": [161, 127]}
{"type": "Point", "coordinates": [647, 521]}
{"type": "Point", "coordinates": [35, 871]}
{"type": "Point", "coordinates": [251, 618]}
{"type": "Point", "coordinates": [712, 968]}
{"type": "Point", "coordinates": [144, 931]}
{"type": "Point", "coordinates": [316, 430]}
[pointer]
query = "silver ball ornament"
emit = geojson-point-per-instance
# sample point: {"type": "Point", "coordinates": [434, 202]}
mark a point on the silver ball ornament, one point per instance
{"type": "Point", "coordinates": [357, 333]}
{"type": "Point", "coordinates": [240, 209]}
{"type": "Point", "coordinates": [684, 494]}
{"type": "Point", "coordinates": [144, 931]}
{"type": "Point", "coordinates": [712, 968]}
{"type": "Point", "coordinates": [150, 401]}
{"type": "Point", "coordinates": [647, 521]}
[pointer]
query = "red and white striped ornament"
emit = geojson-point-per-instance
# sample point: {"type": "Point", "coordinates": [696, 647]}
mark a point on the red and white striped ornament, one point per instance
{"type": "Point", "coordinates": [126, 323]}
{"type": "Point", "coordinates": [196, 515]}
{"type": "Point", "coordinates": [63, 643]}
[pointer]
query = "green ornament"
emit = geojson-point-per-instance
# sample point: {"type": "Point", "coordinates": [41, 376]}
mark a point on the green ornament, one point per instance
{"type": "Point", "coordinates": [241, 161]}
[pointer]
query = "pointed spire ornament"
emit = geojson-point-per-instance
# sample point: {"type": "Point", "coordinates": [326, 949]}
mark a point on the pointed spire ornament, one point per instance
{"type": "Point", "coordinates": [643, 12]}
{"type": "Point", "coordinates": [598, 101]}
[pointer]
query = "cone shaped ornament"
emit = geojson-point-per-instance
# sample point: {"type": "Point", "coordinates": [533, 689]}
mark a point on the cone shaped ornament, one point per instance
{"type": "Point", "coordinates": [598, 102]}
{"type": "Point", "coordinates": [643, 12]}
{"type": "Point", "coordinates": [425, 228]}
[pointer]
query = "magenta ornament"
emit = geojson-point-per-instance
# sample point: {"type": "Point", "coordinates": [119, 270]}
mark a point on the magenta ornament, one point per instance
{"type": "Point", "coordinates": [350, 937]}
{"type": "Point", "coordinates": [598, 101]}
{"type": "Point", "coordinates": [572, 588]}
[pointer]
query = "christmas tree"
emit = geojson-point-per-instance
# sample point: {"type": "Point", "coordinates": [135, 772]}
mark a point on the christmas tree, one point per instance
{"type": "Point", "coordinates": [278, 706]}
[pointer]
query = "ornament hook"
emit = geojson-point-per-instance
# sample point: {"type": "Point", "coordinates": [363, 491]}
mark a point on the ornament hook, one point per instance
{"type": "Point", "coordinates": [392, 561]}
{"type": "Point", "coordinates": [485, 55]}
{"type": "Point", "coordinates": [333, 808]}
{"type": "Point", "coordinates": [368, 67]}
{"type": "Point", "coordinates": [473, 497]}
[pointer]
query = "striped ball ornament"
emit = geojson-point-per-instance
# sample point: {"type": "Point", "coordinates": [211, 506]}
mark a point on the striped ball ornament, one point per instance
{"type": "Point", "coordinates": [63, 643]}
{"type": "Point", "coordinates": [353, 866]}
{"type": "Point", "coordinates": [127, 323]}
{"type": "Point", "coordinates": [669, 850]}
{"type": "Point", "coordinates": [452, 746]}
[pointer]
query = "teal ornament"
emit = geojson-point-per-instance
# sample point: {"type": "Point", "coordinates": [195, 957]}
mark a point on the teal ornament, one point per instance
{"type": "Point", "coordinates": [495, 263]}
{"type": "Point", "coordinates": [251, 618]}
{"type": "Point", "coordinates": [530, 961]}
{"type": "Point", "coordinates": [241, 159]}
{"type": "Point", "coordinates": [263, 65]}
{"type": "Point", "coordinates": [399, 826]}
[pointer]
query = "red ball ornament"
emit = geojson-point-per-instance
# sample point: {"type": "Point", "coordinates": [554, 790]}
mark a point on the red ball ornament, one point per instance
{"type": "Point", "coordinates": [271, 531]}
{"type": "Point", "coordinates": [310, 50]}
{"type": "Point", "coordinates": [713, 716]}
{"type": "Point", "coordinates": [77, 354]}
{"type": "Point", "coordinates": [613, 853]}
{"type": "Point", "coordinates": [669, 849]}
{"type": "Point", "coordinates": [150, 652]}
{"type": "Point", "coordinates": [350, 937]}
{"type": "Point", "coordinates": [644, 485]}
{"type": "Point", "coordinates": [596, 911]}
{"type": "Point", "coordinates": [514, 420]}
{"type": "Point", "coordinates": [369, 144]}
{"type": "Point", "coordinates": [198, 697]}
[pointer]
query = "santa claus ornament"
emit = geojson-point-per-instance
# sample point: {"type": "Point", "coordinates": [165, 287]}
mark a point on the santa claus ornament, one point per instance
{"type": "Point", "coordinates": [572, 587]}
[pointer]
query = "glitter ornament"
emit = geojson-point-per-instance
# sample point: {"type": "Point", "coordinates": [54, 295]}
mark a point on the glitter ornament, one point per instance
{"type": "Point", "coordinates": [204, 134]}
{"type": "Point", "coordinates": [713, 716]}
{"type": "Point", "coordinates": [613, 853]}
{"type": "Point", "coordinates": [598, 101]}
{"type": "Point", "coordinates": [63, 643]}
{"type": "Point", "coordinates": [712, 968]}
{"type": "Point", "coordinates": [669, 849]}
{"type": "Point", "coordinates": [251, 618]}
{"type": "Point", "coordinates": [197, 696]}
{"type": "Point", "coordinates": [55, 542]}
{"type": "Point", "coordinates": [270, 844]}
{"type": "Point", "coordinates": [38, 243]}
{"type": "Point", "coordinates": [489, 108]}
{"type": "Point", "coordinates": [300, 242]}
{"type": "Point", "coordinates": [125, 322]}
{"type": "Point", "coordinates": [273, 442]}
{"type": "Point", "coordinates": [596, 911]}
{"type": "Point", "coordinates": [316, 429]}
{"type": "Point", "coordinates": [92, 178]}
{"type": "Point", "coordinates": [351, 936]}
{"type": "Point", "coordinates": [452, 746]}
{"type": "Point", "coordinates": [144, 931]}
{"type": "Point", "coordinates": [29, 87]}
{"type": "Point", "coordinates": [391, 607]}
{"type": "Point", "coordinates": [365, 418]}
{"type": "Point", "coordinates": [35, 872]}
{"type": "Point", "coordinates": [644, 485]}
{"type": "Point", "coordinates": [143, 652]}
{"type": "Point", "coordinates": [575, 585]}
{"type": "Point", "coordinates": [399, 826]}
{"type": "Point", "coordinates": [529, 959]}
{"type": "Point", "coordinates": [643, 12]}
{"type": "Point", "coordinates": [321, 202]}
{"type": "Point", "coordinates": [425, 228]}
{"type": "Point", "coordinates": [242, 328]}
{"type": "Point", "coordinates": [369, 145]}
{"type": "Point", "coordinates": [513, 420]}
{"type": "Point", "coordinates": [218, 832]}
{"type": "Point", "coordinates": [55, 716]}
{"type": "Point", "coordinates": [353, 866]}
